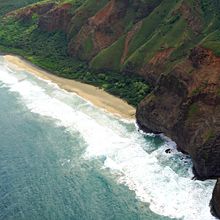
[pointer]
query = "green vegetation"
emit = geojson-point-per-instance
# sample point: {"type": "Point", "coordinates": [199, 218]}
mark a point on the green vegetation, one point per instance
{"type": "Point", "coordinates": [150, 24]}
{"type": "Point", "coordinates": [193, 110]}
{"type": "Point", "coordinates": [212, 41]}
{"type": "Point", "coordinates": [210, 134]}
{"type": "Point", "coordinates": [153, 26]}
{"type": "Point", "coordinates": [9, 5]}
{"type": "Point", "coordinates": [88, 45]}
{"type": "Point", "coordinates": [49, 51]}
{"type": "Point", "coordinates": [164, 28]}
{"type": "Point", "coordinates": [87, 9]}
{"type": "Point", "coordinates": [211, 18]}
{"type": "Point", "coordinates": [109, 58]}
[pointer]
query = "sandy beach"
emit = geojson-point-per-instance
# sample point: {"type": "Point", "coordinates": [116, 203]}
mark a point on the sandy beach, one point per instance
{"type": "Point", "coordinates": [96, 96]}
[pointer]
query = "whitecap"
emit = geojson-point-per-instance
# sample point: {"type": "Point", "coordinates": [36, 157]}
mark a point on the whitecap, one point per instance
{"type": "Point", "coordinates": [146, 173]}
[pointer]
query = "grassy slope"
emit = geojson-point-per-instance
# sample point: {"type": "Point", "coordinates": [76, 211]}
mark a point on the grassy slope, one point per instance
{"type": "Point", "coordinates": [109, 58]}
{"type": "Point", "coordinates": [150, 24]}
{"type": "Point", "coordinates": [146, 39]}
{"type": "Point", "coordinates": [87, 9]}
{"type": "Point", "coordinates": [211, 34]}
{"type": "Point", "coordinates": [165, 28]}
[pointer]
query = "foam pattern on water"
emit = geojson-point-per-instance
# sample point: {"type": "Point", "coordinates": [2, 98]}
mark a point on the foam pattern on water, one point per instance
{"type": "Point", "coordinates": [152, 174]}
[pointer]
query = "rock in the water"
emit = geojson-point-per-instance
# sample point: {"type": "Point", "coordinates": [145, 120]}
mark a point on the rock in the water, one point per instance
{"type": "Point", "coordinates": [168, 151]}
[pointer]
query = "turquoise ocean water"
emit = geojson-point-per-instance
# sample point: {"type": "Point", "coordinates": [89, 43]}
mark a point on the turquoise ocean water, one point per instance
{"type": "Point", "coordinates": [62, 158]}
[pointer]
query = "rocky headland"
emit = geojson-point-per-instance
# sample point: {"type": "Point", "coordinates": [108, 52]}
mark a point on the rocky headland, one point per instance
{"type": "Point", "coordinates": [173, 45]}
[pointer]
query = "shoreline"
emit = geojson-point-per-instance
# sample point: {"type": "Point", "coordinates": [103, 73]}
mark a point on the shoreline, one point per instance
{"type": "Point", "coordinates": [96, 96]}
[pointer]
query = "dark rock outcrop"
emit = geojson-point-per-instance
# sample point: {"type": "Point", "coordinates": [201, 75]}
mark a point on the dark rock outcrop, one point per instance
{"type": "Point", "coordinates": [215, 202]}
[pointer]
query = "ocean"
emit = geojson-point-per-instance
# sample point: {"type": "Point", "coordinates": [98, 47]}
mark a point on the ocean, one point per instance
{"type": "Point", "coordinates": [63, 158]}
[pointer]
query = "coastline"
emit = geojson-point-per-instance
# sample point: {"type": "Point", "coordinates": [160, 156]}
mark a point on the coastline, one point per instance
{"type": "Point", "coordinates": [96, 96]}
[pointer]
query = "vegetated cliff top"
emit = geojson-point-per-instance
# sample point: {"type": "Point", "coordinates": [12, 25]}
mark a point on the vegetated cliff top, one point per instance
{"type": "Point", "coordinates": [128, 35]}
{"type": "Point", "coordinates": [9, 5]}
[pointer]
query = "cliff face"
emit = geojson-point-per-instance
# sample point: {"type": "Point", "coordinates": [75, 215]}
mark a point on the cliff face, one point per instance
{"type": "Point", "coordinates": [101, 30]}
{"type": "Point", "coordinates": [57, 18]}
{"type": "Point", "coordinates": [185, 105]}
{"type": "Point", "coordinates": [174, 45]}
{"type": "Point", "coordinates": [216, 199]}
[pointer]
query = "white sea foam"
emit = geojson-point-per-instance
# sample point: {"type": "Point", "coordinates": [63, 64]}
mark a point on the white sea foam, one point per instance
{"type": "Point", "coordinates": [125, 150]}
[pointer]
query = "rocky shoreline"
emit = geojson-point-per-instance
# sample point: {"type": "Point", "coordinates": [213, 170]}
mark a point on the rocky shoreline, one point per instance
{"type": "Point", "coordinates": [186, 108]}
{"type": "Point", "coordinates": [174, 45]}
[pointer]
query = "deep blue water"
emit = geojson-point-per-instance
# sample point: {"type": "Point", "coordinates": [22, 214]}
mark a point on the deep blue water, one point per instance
{"type": "Point", "coordinates": [62, 158]}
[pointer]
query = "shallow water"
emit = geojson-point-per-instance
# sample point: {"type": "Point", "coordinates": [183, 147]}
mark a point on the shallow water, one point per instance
{"type": "Point", "coordinates": [63, 158]}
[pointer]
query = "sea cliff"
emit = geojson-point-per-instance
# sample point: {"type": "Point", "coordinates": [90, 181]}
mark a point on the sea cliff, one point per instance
{"type": "Point", "coordinates": [172, 45]}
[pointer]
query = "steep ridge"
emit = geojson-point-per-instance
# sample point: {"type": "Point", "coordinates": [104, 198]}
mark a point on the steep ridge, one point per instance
{"type": "Point", "coordinates": [173, 45]}
{"type": "Point", "coordinates": [101, 30]}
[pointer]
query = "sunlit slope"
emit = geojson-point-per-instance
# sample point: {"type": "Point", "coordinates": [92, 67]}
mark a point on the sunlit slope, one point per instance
{"type": "Point", "coordinates": [82, 38]}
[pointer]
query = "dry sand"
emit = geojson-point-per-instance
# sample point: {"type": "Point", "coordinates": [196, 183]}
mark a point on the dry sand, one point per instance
{"type": "Point", "coordinates": [93, 94]}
